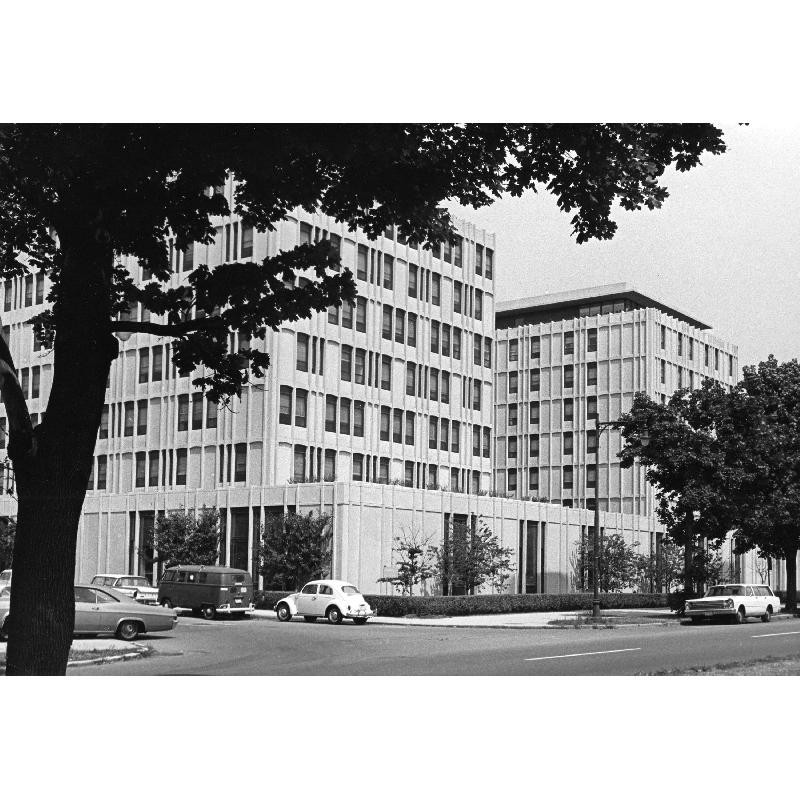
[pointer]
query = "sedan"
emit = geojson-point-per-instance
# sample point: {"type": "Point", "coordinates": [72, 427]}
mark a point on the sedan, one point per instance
{"type": "Point", "coordinates": [99, 611]}
{"type": "Point", "coordinates": [334, 600]}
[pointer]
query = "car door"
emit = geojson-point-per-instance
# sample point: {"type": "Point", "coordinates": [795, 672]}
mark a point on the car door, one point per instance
{"type": "Point", "coordinates": [307, 602]}
{"type": "Point", "coordinates": [326, 597]}
{"type": "Point", "coordinates": [752, 603]}
{"type": "Point", "coordinates": [108, 612]}
{"type": "Point", "coordinates": [87, 617]}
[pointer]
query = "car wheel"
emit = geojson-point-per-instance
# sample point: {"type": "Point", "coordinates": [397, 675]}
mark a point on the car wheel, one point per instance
{"type": "Point", "coordinates": [765, 617]}
{"type": "Point", "coordinates": [166, 603]}
{"type": "Point", "coordinates": [360, 620]}
{"type": "Point", "coordinates": [739, 618]}
{"type": "Point", "coordinates": [209, 612]}
{"type": "Point", "coordinates": [334, 615]}
{"type": "Point", "coordinates": [310, 619]}
{"type": "Point", "coordinates": [128, 630]}
{"type": "Point", "coordinates": [284, 614]}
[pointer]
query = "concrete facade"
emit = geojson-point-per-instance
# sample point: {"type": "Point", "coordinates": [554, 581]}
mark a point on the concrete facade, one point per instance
{"type": "Point", "coordinates": [566, 360]}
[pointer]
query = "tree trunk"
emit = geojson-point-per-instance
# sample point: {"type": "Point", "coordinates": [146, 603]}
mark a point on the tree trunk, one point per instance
{"type": "Point", "coordinates": [688, 568]}
{"type": "Point", "coordinates": [52, 477]}
{"type": "Point", "coordinates": [791, 579]}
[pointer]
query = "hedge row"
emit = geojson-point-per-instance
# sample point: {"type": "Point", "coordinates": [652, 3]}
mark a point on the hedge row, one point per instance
{"type": "Point", "coordinates": [465, 605]}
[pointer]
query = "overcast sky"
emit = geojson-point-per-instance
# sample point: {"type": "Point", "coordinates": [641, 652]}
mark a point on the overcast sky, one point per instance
{"type": "Point", "coordinates": [724, 246]}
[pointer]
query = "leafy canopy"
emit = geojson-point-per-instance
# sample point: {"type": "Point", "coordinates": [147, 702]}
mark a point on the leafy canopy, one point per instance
{"type": "Point", "coordinates": [129, 187]}
{"type": "Point", "coordinates": [184, 536]}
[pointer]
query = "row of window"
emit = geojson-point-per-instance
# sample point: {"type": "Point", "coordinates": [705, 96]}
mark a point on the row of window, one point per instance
{"type": "Point", "coordinates": [568, 444]}
{"type": "Point", "coordinates": [569, 410]}
{"type": "Point", "coordinates": [23, 292]}
{"type": "Point", "coordinates": [129, 418]}
{"type": "Point", "coordinates": [567, 481]}
{"type": "Point", "coordinates": [689, 348]}
{"type": "Point", "coordinates": [226, 235]}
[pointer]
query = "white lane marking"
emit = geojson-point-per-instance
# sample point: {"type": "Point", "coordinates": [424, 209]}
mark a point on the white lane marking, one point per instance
{"type": "Point", "coordinates": [595, 653]}
{"type": "Point", "coordinates": [787, 633]}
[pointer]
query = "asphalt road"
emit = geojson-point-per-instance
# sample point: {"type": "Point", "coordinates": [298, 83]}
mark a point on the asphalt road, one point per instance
{"type": "Point", "coordinates": [267, 647]}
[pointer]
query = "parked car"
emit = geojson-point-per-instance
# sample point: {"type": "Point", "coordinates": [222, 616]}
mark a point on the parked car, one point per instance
{"type": "Point", "coordinates": [5, 579]}
{"type": "Point", "coordinates": [736, 601]}
{"type": "Point", "coordinates": [335, 600]}
{"type": "Point", "coordinates": [207, 590]}
{"type": "Point", "coordinates": [140, 589]}
{"type": "Point", "coordinates": [99, 611]}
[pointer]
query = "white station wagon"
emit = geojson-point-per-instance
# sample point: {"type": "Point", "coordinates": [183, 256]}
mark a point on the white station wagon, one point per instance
{"type": "Point", "coordinates": [735, 600]}
{"type": "Point", "coordinates": [334, 600]}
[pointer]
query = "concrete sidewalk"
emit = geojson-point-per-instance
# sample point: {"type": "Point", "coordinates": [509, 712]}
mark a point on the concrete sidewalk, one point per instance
{"type": "Point", "coordinates": [94, 650]}
{"type": "Point", "coordinates": [538, 619]}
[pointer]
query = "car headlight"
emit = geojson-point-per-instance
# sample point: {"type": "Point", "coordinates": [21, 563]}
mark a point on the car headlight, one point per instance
{"type": "Point", "coordinates": [729, 603]}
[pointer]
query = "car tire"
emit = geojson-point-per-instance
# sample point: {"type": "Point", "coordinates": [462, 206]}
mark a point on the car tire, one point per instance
{"type": "Point", "coordinates": [166, 603]}
{"type": "Point", "coordinates": [740, 617]}
{"type": "Point", "coordinates": [765, 617]}
{"type": "Point", "coordinates": [284, 613]}
{"type": "Point", "coordinates": [310, 619]}
{"type": "Point", "coordinates": [128, 630]}
{"type": "Point", "coordinates": [360, 620]}
{"type": "Point", "coordinates": [208, 612]}
{"type": "Point", "coordinates": [334, 615]}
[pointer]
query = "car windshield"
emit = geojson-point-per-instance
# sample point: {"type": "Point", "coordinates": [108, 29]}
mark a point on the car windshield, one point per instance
{"type": "Point", "coordinates": [350, 590]}
{"type": "Point", "coordinates": [5, 592]}
{"type": "Point", "coordinates": [724, 591]}
{"type": "Point", "coordinates": [132, 582]}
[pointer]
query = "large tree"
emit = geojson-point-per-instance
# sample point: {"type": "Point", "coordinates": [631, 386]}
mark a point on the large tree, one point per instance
{"type": "Point", "coordinates": [184, 536]}
{"type": "Point", "coordinates": [74, 198]}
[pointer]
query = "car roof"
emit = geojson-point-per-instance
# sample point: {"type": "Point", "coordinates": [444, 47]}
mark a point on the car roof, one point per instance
{"type": "Point", "coordinates": [204, 568]}
{"type": "Point", "coordinates": [331, 582]}
{"type": "Point", "coordinates": [115, 575]}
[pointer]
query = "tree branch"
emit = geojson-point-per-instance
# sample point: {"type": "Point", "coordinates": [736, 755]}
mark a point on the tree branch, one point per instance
{"type": "Point", "coordinates": [20, 430]}
{"type": "Point", "coordinates": [167, 329]}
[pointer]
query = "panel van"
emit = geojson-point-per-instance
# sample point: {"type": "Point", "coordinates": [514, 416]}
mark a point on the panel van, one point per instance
{"type": "Point", "coordinates": [207, 590]}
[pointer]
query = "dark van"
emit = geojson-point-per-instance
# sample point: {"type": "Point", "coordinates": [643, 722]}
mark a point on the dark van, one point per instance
{"type": "Point", "coordinates": [207, 590]}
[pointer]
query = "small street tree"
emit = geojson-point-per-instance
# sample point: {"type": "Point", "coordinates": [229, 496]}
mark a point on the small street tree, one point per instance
{"type": "Point", "coordinates": [660, 571]}
{"type": "Point", "coordinates": [184, 536]}
{"type": "Point", "coordinates": [618, 564]}
{"type": "Point", "coordinates": [294, 549]}
{"type": "Point", "coordinates": [470, 557]}
{"type": "Point", "coordinates": [414, 559]}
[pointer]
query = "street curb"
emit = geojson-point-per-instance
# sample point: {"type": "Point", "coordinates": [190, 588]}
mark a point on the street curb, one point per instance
{"type": "Point", "coordinates": [106, 659]}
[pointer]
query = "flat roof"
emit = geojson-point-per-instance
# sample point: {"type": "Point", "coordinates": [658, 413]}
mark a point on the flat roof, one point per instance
{"type": "Point", "coordinates": [594, 294]}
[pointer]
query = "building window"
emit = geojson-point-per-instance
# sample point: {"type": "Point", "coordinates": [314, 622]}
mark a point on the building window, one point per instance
{"type": "Point", "coordinates": [144, 364]}
{"type": "Point", "coordinates": [457, 344]}
{"type": "Point", "coordinates": [477, 349]}
{"type": "Point", "coordinates": [591, 476]}
{"type": "Point", "coordinates": [358, 467]}
{"type": "Point", "coordinates": [330, 465]}
{"type": "Point", "coordinates": [36, 380]}
{"type": "Point", "coordinates": [444, 433]}
{"type": "Point", "coordinates": [534, 381]}
{"type": "Point", "coordinates": [387, 322]}
{"type": "Point", "coordinates": [536, 346]}
{"type": "Point", "coordinates": [183, 412]}
{"type": "Point", "coordinates": [130, 417]}
{"type": "Point", "coordinates": [436, 292]}
{"type": "Point", "coordinates": [361, 264]}
{"type": "Point", "coordinates": [388, 272]}
{"type": "Point", "coordinates": [663, 337]}
{"type": "Point", "coordinates": [513, 382]}
{"type": "Point", "coordinates": [301, 408]}
{"type": "Point", "coordinates": [413, 271]}
{"type": "Point", "coordinates": [409, 427]}
{"type": "Point", "coordinates": [141, 469]}
{"type": "Point", "coordinates": [569, 376]}
{"type": "Point", "coordinates": [513, 411]}
{"type": "Point", "coordinates": [591, 408]}
{"type": "Point", "coordinates": [346, 370]}
{"type": "Point", "coordinates": [567, 478]}
{"type": "Point", "coordinates": [285, 413]}
{"type": "Point", "coordinates": [708, 354]}
{"type": "Point", "coordinates": [141, 417]}
{"type": "Point", "coordinates": [730, 366]}
{"type": "Point", "coordinates": [330, 413]}
{"type": "Point", "coordinates": [302, 352]}
{"type": "Point", "coordinates": [457, 285]}
{"type": "Point", "coordinates": [361, 366]}
{"type": "Point", "coordinates": [306, 233]}
{"type": "Point", "coordinates": [197, 411]}
{"type": "Point", "coordinates": [102, 471]}
{"type": "Point", "coordinates": [680, 344]}
{"type": "Point", "coordinates": [247, 241]}
{"type": "Point", "coordinates": [533, 479]}
{"type": "Point", "coordinates": [716, 360]}
{"type": "Point", "coordinates": [386, 372]}
{"type": "Point", "coordinates": [299, 463]}
{"type": "Point", "coordinates": [513, 350]}
{"type": "Point", "coordinates": [445, 387]}
{"type": "Point", "coordinates": [489, 263]}
{"type": "Point", "coordinates": [102, 433]}
{"type": "Point", "coordinates": [533, 445]}
{"type": "Point", "coordinates": [152, 471]}
{"type": "Point", "coordinates": [344, 415]}
{"type": "Point", "coordinates": [347, 314]}
{"type": "Point", "coordinates": [478, 304]}
{"type": "Point", "coordinates": [434, 384]}
{"type": "Point", "coordinates": [411, 373]}
{"type": "Point", "coordinates": [445, 340]}
{"type": "Point", "coordinates": [433, 433]}
{"type": "Point", "coordinates": [458, 247]}
{"type": "Point", "coordinates": [412, 330]}
{"type": "Point", "coordinates": [28, 290]}
{"type": "Point", "coordinates": [434, 336]}
{"type": "Point", "coordinates": [591, 340]}
{"type": "Point", "coordinates": [569, 343]}
{"type": "Point", "coordinates": [361, 314]}
{"type": "Point", "coordinates": [397, 426]}
{"type": "Point", "coordinates": [591, 441]}
{"type": "Point", "coordinates": [663, 371]}
{"type": "Point", "coordinates": [569, 406]}
{"type": "Point", "coordinates": [487, 443]}
{"type": "Point", "coordinates": [333, 315]}
{"type": "Point", "coordinates": [534, 413]}
{"type": "Point", "coordinates": [358, 418]}
{"type": "Point", "coordinates": [568, 444]}
{"type": "Point", "coordinates": [487, 352]}
{"type": "Point", "coordinates": [383, 476]}
{"type": "Point", "coordinates": [180, 466]}
{"type": "Point", "coordinates": [477, 395]}
{"type": "Point", "coordinates": [512, 447]}
{"type": "Point", "coordinates": [591, 374]}
{"type": "Point", "coordinates": [399, 326]}
{"type": "Point", "coordinates": [385, 423]}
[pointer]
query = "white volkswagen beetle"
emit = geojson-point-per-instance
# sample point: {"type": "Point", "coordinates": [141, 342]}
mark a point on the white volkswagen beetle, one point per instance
{"type": "Point", "coordinates": [334, 600]}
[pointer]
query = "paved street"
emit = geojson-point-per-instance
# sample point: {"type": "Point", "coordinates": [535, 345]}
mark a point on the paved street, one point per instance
{"type": "Point", "coordinates": [267, 647]}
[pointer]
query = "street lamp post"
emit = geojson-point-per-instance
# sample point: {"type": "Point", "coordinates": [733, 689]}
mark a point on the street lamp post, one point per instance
{"type": "Point", "coordinates": [600, 427]}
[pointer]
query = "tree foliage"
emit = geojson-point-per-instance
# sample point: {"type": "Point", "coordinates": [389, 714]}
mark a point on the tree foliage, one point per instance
{"type": "Point", "coordinates": [295, 549]}
{"type": "Point", "coordinates": [414, 559]}
{"type": "Point", "coordinates": [470, 557]}
{"type": "Point", "coordinates": [75, 200]}
{"type": "Point", "coordinates": [618, 564]}
{"type": "Point", "coordinates": [729, 458]}
{"type": "Point", "coordinates": [184, 536]}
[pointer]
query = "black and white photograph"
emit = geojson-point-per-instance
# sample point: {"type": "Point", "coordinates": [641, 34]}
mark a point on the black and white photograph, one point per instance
{"type": "Point", "coordinates": [317, 417]}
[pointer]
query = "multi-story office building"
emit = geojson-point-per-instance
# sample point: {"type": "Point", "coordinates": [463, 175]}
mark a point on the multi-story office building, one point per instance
{"type": "Point", "coordinates": [568, 359]}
